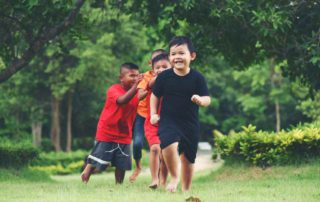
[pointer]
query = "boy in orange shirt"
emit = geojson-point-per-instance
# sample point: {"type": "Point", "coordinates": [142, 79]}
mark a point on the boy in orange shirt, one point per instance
{"type": "Point", "coordinates": [157, 167]}
{"type": "Point", "coordinates": [138, 127]}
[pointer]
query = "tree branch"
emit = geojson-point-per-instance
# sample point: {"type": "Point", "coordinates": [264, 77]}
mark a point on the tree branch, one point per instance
{"type": "Point", "coordinates": [39, 43]}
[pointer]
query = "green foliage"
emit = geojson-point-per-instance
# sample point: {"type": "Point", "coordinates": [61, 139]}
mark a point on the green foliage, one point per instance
{"type": "Point", "coordinates": [58, 169]}
{"type": "Point", "coordinates": [260, 88]}
{"type": "Point", "coordinates": [82, 62]}
{"type": "Point", "coordinates": [246, 31]}
{"type": "Point", "coordinates": [16, 155]}
{"type": "Point", "coordinates": [59, 162]}
{"type": "Point", "coordinates": [265, 149]}
{"type": "Point", "coordinates": [64, 158]}
{"type": "Point", "coordinates": [311, 107]}
{"type": "Point", "coordinates": [22, 22]}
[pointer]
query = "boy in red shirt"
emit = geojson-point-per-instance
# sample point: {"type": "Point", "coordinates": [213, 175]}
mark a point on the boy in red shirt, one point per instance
{"type": "Point", "coordinates": [114, 130]}
{"type": "Point", "coordinates": [158, 169]}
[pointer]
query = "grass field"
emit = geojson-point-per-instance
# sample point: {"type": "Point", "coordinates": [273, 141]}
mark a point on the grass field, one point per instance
{"type": "Point", "coordinates": [227, 183]}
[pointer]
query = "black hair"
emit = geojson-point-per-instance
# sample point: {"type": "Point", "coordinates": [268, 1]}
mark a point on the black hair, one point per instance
{"type": "Point", "coordinates": [129, 65]}
{"type": "Point", "coordinates": [162, 56]}
{"type": "Point", "coordinates": [160, 51]}
{"type": "Point", "coordinates": [180, 40]}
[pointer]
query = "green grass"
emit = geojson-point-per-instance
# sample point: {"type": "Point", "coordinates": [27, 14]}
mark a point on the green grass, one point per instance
{"type": "Point", "coordinates": [229, 183]}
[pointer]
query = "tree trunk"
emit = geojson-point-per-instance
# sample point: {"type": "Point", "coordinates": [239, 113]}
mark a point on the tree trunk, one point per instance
{"type": "Point", "coordinates": [278, 117]}
{"type": "Point", "coordinates": [69, 125]}
{"type": "Point", "coordinates": [55, 123]}
{"type": "Point", "coordinates": [36, 133]}
{"type": "Point", "coordinates": [276, 83]}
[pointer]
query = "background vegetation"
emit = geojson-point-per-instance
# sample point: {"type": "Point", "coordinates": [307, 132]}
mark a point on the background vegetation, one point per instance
{"type": "Point", "coordinates": [260, 59]}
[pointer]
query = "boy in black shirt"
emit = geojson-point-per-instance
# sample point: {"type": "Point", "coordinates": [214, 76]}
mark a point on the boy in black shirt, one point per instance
{"type": "Point", "coordinates": [183, 90]}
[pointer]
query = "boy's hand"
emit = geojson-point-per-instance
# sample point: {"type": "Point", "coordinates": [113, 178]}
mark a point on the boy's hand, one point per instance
{"type": "Point", "coordinates": [196, 99]}
{"type": "Point", "coordinates": [139, 78]}
{"type": "Point", "coordinates": [142, 93]}
{"type": "Point", "coordinates": [154, 119]}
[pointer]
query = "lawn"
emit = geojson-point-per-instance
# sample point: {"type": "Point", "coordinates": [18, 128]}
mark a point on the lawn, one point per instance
{"type": "Point", "coordinates": [227, 183]}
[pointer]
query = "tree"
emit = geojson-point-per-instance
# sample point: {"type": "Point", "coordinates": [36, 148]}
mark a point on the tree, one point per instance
{"type": "Point", "coordinates": [72, 73]}
{"type": "Point", "coordinates": [25, 33]}
{"type": "Point", "coordinates": [245, 31]}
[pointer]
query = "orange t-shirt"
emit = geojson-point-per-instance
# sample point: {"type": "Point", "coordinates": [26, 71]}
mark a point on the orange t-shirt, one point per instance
{"type": "Point", "coordinates": [143, 104]}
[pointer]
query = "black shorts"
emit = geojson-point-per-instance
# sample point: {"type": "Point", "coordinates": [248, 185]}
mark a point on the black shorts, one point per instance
{"type": "Point", "coordinates": [187, 145]}
{"type": "Point", "coordinates": [106, 154]}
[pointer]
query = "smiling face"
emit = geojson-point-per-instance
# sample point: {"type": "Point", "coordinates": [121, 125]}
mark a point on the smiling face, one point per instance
{"type": "Point", "coordinates": [160, 66]}
{"type": "Point", "coordinates": [128, 77]}
{"type": "Point", "coordinates": [180, 57]}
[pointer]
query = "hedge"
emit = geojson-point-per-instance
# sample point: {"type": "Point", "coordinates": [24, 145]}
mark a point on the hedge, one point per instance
{"type": "Point", "coordinates": [60, 162]}
{"type": "Point", "coordinates": [17, 155]}
{"type": "Point", "coordinates": [264, 148]}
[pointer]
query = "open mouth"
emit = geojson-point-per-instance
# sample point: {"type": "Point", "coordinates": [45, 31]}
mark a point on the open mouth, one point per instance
{"type": "Point", "coordinates": [179, 64]}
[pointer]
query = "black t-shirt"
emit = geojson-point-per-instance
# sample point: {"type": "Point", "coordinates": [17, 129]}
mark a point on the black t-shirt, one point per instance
{"type": "Point", "coordinates": [178, 113]}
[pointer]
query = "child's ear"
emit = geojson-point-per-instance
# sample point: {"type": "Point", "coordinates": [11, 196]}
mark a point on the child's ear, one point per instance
{"type": "Point", "coordinates": [193, 56]}
{"type": "Point", "coordinates": [150, 63]}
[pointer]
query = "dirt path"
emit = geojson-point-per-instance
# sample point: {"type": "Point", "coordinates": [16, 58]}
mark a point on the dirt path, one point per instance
{"type": "Point", "coordinates": [204, 161]}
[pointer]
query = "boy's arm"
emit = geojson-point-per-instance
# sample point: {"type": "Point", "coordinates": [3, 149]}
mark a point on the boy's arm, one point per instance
{"type": "Point", "coordinates": [125, 98]}
{"type": "Point", "coordinates": [151, 82]}
{"type": "Point", "coordinates": [154, 104]}
{"type": "Point", "coordinates": [202, 101]}
{"type": "Point", "coordinates": [142, 93]}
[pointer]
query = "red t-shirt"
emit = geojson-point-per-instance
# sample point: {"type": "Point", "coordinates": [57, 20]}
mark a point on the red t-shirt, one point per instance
{"type": "Point", "coordinates": [116, 121]}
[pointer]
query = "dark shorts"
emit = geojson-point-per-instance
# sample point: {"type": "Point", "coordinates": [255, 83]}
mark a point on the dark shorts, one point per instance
{"type": "Point", "coordinates": [187, 145]}
{"type": "Point", "coordinates": [106, 154]}
{"type": "Point", "coordinates": [189, 150]}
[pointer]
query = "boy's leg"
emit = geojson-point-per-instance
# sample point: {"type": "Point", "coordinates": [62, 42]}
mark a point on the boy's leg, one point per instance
{"type": "Point", "coordinates": [171, 158]}
{"type": "Point", "coordinates": [98, 160]}
{"type": "Point", "coordinates": [138, 136]}
{"type": "Point", "coordinates": [121, 161]}
{"type": "Point", "coordinates": [154, 165]}
{"type": "Point", "coordinates": [163, 173]}
{"type": "Point", "coordinates": [186, 173]}
{"type": "Point", "coordinates": [119, 175]}
{"type": "Point", "coordinates": [86, 173]}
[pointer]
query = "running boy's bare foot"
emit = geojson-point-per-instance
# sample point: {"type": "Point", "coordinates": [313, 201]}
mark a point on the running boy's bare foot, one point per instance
{"type": "Point", "coordinates": [154, 184]}
{"type": "Point", "coordinates": [85, 175]}
{"type": "Point", "coordinates": [172, 186]}
{"type": "Point", "coordinates": [135, 174]}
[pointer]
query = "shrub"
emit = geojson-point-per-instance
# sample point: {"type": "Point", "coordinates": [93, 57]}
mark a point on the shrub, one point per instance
{"type": "Point", "coordinates": [73, 167]}
{"type": "Point", "coordinates": [47, 145]}
{"type": "Point", "coordinates": [64, 158]}
{"type": "Point", "coordinates": [60, 162]}
{"type": "Point", "coordinates": [16, 155]}
{"type": "Point", "coordinates": [263, 149]}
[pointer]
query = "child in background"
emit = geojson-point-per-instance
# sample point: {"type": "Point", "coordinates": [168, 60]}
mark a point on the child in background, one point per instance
{"type": "Point", "coordinates": [157, 166]}
{"type": "Point", "coordinates": [182, 90]}
{"type": "Point", "coordinates": [138, 128]}
{"type": "Point", "coordinates": [114, 130]}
